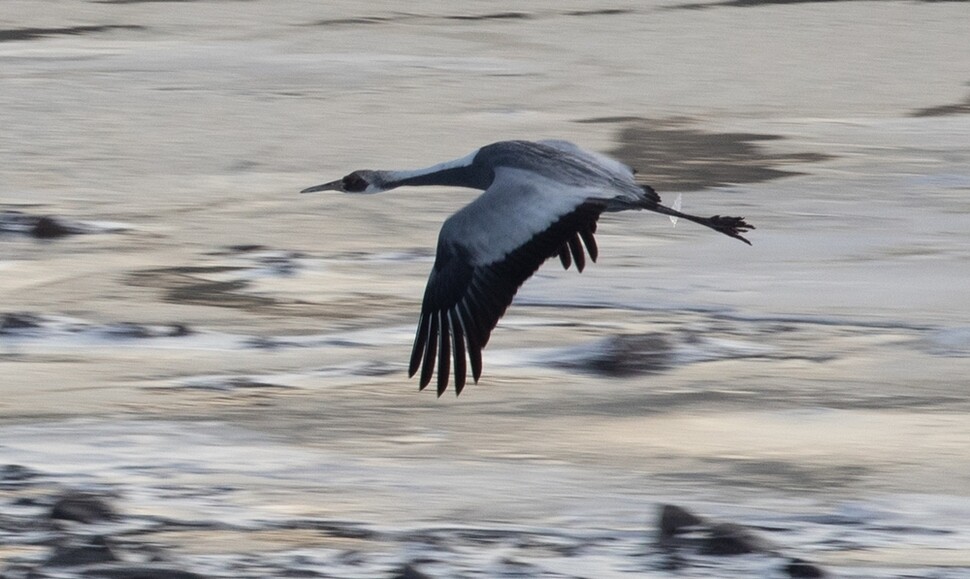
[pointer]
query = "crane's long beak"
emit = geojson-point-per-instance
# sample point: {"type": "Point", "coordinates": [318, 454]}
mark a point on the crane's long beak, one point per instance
{"type": "Point", "coordinates": [337, 185]}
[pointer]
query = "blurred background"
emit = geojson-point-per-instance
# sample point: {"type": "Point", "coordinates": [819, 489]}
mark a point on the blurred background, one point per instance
{"type": "Point", "coordinates": [214, 366]}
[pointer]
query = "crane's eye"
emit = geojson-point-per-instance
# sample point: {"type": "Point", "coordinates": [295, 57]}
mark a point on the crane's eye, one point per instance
{"type": "Point", "coordinates": [354, 183]}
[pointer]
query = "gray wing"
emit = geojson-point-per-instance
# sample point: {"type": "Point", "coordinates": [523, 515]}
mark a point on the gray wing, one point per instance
{"type": "Point", "coordinates": [486, 251]}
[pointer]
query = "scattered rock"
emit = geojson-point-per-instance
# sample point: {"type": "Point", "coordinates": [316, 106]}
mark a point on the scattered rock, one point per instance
{"type": "Point", "coordinates": [409, 572]}
{"type": "Point", "coordinates": [21, 34]}
{"type": "Point", "coordinates": [82, 508]}
{"type": "Point", "coordinates": [139, 572]}
{"type": "Point", "coordinates": [675, 520]}
{"type": "Point", "coordinates": [798, 569]}
{"type": "Point", "coordinates": [622, 355]}
{"type": "Point", "coordinates": [15, 473]}
{"type": "Point", "coordinates": [93, 550]}
{"type": "Point", "coordinates": [10, 323]}
{"type": "Point", "coordinates": [44, 227]}
{"type": "Point", "coordinates": [246, 248]}
{"type": "Point", "coordinates": [959, 108]}
{"type": "Point", "coordinates": [49, 228]}
{"type": "Point", "coordinates": [681, 530]}
{"type": "Point", "coordinates": [629, 355]}
{"type": "Point", "coordinates": [732, 539]}
{"type": "Point", "coordinates": [179, 331]}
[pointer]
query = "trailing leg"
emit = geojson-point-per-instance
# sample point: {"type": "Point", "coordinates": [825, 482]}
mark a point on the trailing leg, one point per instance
{"type": "Point", "coordinates": [730, 226]}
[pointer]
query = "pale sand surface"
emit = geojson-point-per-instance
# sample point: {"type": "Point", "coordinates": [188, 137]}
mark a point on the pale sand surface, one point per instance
{"type": "Point", "coordinates": [826, 365]}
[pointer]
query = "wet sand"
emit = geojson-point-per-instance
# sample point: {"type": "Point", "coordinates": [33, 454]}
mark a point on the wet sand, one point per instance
{"type": "Point", "coordinates": [226, 358]}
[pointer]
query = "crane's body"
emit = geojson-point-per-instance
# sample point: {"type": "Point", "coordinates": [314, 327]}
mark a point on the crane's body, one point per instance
{"type": "Point", "coordinates": [541, 199]}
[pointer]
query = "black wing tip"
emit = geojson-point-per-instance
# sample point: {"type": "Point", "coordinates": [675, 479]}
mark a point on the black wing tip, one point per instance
{"type": "Point", "coordinates": [441, 336]}
{"type": "Point", "coordinates": [442, 385]}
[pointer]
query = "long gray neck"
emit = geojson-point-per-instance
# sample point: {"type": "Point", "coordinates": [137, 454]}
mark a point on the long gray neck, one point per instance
{"type": "Point", "coordinates": [462, 172]}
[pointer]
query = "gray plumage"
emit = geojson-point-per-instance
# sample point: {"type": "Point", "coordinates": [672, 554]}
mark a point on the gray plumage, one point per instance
{"type": "Point", "coordinates": [541, 199]}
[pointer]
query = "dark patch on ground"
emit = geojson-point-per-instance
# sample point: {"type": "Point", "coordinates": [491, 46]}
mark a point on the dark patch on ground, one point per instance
{"type": "Point", "coordinates": [751, 3]}
{"type": "Point", "coordinates": [82, 507]}
{"type": "Point", "coordinates": [11, 323]}
{"type": "Point", "coordinates": [40, 227]}
{"type": "Point", "coordinates": [222, 286]}
{"type": "Point", "coordinates": [673, 155]}
{"type": "Point", "coordinates": [626, 355]}
{"type": "Point", "coordinates": [243, 248]}
{"type": "Point", "coordinates": [57, 529]}
{"type": "Point", "coordinates": [773, 474]}
{"type": "Point", "coordinates": [683, 532]}
{"type": "Point", "coordinates": [493, 16]}
{"type": "Point", "coordinates": [235, 384]}
{"type": "Point", "coordinates": [360, 20]}
{"type": "Point", "coordinates": [756, 3]}
{"type": "Point", "coordinates": [14, 34]}
{"type": "Point", "coordinates": [187, 285]}
{"type": "Point", "coordinates": [629, 355]}
{"type": "Point", "coordinates": [960, 108]}
{"type": "Point", "coordinates": [602, 12]}
{"type": "Point", "coordinates": [409, 571]}
{"type": "Point", "coordinates": [48, 227]}
{"type": "Point", "coordinates": [29, 325]}
{"type": "Point", "coordinates": [158, 1]}
{"type": "Point", "coordinates": [403, 17]}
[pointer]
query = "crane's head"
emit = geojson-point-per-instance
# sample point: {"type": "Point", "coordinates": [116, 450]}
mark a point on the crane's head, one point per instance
{"type": "Point", "coordinates": [363, 181]}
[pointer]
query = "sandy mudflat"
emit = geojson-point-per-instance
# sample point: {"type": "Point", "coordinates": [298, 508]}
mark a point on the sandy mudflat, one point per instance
{"type": "Point", "coordinates": [226, 358]}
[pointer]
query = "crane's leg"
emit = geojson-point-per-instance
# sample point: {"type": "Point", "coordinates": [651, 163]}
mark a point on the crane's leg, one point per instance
{"type": "Point", "coordinates": [730, 226]}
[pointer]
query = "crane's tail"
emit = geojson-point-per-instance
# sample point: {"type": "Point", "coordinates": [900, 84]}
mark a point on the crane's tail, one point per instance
{"type": "Point", "coordinates": [730, 226]}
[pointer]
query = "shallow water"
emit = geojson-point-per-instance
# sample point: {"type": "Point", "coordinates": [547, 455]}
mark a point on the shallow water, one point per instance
{"type": "Point", "coordinates": [227, 358]}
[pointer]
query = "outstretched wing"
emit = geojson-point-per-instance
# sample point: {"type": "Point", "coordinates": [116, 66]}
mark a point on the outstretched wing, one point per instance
{"type": "Point", "coordinates": [486, 251]}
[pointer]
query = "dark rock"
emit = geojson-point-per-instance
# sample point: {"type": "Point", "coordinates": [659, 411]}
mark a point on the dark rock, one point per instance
{"type": "Point", "coordinates": [409, 572]}
{"type": "Point", "coordinates": [83, 508]}
{"type": "Point", "coordinates": [630, 355]}
{"type": "Point", "coordinates": [731, 539]}
{"type": "Point", "coordinates": [129, 330]}
{"type": "Point", "coordinates": [138, 572]}
{"type": "Point", "coordinates": [672, 561]}
{"type": "Point", "coordinates": [621, 356]}
{"type": "Point", "coordinates": [179, 331]}
{"type": "Point", "coordinates": [14, 473]}
{"type": "Point", "coordinates": [683, 532]}
{"type": "Point", "coordinates": [96, 550]}
{"type": "Point", "coordinates": [50, 228]}
{"type": "Point", "coordinates": [298, 574]}
{"type": "Point", "coordinates": [675, 520]}
{"type": "Point", "coordinates": [11, 34]}
{"type": "Point", "coordinates": [10, 323]}
{"type": "Point", "coordinates": [246, 247]}
{"type": "Point", "coordinates": [798, 569]}
{"type": "Point", "coordinates": [681, 528]}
